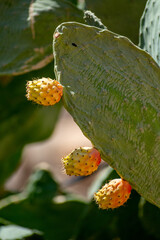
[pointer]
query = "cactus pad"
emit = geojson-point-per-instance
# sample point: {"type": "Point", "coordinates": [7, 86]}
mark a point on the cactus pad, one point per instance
{"type": "Point", "coordinates": [111, 88]}
{"type": "Point", "coordinates": [150, 29]}
{"type": "Point", "coordinates": [26, 32]}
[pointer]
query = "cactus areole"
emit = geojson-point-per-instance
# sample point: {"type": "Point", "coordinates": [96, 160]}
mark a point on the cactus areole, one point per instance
{"type": "Point", "coordinates": [112, 90]}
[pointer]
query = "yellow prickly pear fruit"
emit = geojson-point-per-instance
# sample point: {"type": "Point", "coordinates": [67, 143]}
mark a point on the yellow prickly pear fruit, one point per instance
{"type": "Point", "coordinates": [44, 91]}
{"type": "Point", "coordinates": [113, 194]}
{"type": "Point", "coordinates": [82, 161]}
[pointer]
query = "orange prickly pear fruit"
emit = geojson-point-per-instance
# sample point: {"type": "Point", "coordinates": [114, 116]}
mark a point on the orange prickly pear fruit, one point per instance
{"type": "Point", "coordinates": [44, 91]}
{"type": "Point", "coordinates": [113, 194]}
{"type": "Point", "coordinates": [82, 161]}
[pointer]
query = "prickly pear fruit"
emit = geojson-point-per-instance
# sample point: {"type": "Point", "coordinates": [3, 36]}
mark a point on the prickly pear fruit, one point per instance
{"type": "Point", "coordinates": [113, 194]}
{"type": "Point", "coordinates": [82, 161]}
{"type": "Point", "coordinates": [44, 91]}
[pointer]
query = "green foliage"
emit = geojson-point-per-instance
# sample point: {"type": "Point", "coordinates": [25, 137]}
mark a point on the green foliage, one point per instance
{"type": "Point", "coordinates": [150, 29]}
{"type": "Point", "coordinates": [43, 207]}
{"type": "Point", "coordinates": [150, 217]}
{"type": "Point", "coordinates": [120, 16]}
{"type": "Point", "coordinates": [11, 232]}
{"type": "Point", "coordinates": [120, 84]}
{"type": "Point", "coordinates": [41, 186]}
{"type": "Point", "coordinates": [34, 208]}
{"type": "Point", "coordinates": [21, 121]}
{"type": "Point", "coordinates": [27, 31]}
{"type": "Point", "coordinates": [122, 223]}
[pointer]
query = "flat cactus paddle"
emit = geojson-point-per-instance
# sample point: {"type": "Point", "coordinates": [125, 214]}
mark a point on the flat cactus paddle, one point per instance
{"type": "Point", "coordinates": [112, 90]}
{"type": "Point", "coordinates": [26, 29]}
{"type": "Point", "coordinates": [150, 29]}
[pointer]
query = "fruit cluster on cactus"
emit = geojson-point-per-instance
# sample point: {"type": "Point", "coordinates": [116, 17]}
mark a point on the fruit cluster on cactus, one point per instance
{"type": "Point", "coordinates": [44, 91]}
{"type": "Point", "coordinates": [113, 194]}
{"type": "Point", "coordinates": [82, 161]}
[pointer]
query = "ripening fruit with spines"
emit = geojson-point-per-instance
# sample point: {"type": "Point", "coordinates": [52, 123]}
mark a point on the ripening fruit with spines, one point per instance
{"type": "Point", "coordinates": [44, 91]}
{"type": "Point", "coordinates": [113, 194]}
{"type": "Point", "coordinates": [82, 161]}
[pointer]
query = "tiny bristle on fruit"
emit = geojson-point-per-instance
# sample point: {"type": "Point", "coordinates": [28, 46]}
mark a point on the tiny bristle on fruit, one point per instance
{"type": "Point", "coordinates": [44, 91]}
{"type": "Point", "coordinates": [113, 194]}
{"type": "Point", "coordinates": [82, 161]}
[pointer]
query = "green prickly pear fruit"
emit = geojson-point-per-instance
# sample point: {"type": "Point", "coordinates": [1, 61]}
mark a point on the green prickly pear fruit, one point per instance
{"type": "Point", "coordinates": [82, 161]}
{"type": "Point", "coordinates": [113, 194]}
{"type": "Point", "coordinates": [44, 91]}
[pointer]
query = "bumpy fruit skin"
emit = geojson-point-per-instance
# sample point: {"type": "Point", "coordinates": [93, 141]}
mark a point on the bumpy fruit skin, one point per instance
{"type": "Point", "coordinates": [82, 161]}
{"type": "Point", "coordinates": [44, 91]}
{"type": "Point", "coordinates": [113, 194]}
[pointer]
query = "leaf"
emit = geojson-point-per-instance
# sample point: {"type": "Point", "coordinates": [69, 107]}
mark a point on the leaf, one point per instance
{"type": "Point", "coordinates": [27, 30]}
{"type": "Point", "coordinates": [21, 121]}
{"type": "Point", "coordinates": [11, 232]}
{"type": "Point", "coordinates": [31, 209]}
{"type": "Point", "coordinates": [150, 29]}
{"type": "Point", "coordinates": [41, 186]}
{"type": "Point", "coordinates": [111, 89]}
{"type": "Point", "coordinates": [121, 16]}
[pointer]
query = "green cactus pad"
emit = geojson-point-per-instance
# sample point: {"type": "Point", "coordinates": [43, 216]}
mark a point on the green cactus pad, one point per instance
{"type": "Point", "coordinates": [150, 29]}
{"type": "Point", "coordinates": [111, 88]}
{"type": "Point", "coordinates": [26, 32]}
{"type": "Point", "coordinates": [150, 218]}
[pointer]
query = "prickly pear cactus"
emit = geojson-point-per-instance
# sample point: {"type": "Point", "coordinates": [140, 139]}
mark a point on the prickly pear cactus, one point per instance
{"type": "Point", "coordinates": [37, 207]}
{"type": "Point", "coordinates": [26, 32]}
{"type": "Point", "coordinates": [111, 88]}
{"type": "Point", "coordinates": [150, 29]}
